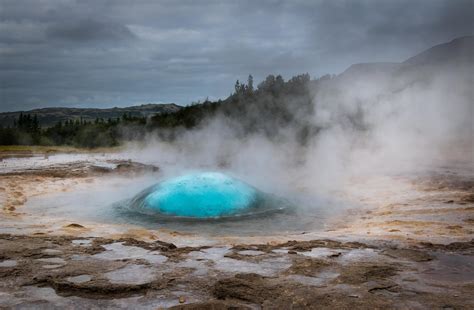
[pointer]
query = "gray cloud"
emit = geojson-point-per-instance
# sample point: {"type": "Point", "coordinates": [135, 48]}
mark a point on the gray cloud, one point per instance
{"type": "Point", "coordinates": [117, 53]}
{"type": "Point", "coordinates": [88, 30]}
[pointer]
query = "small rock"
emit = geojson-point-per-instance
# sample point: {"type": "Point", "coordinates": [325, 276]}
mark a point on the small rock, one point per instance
{"type": "Point", "coordinates": [74, 225]}
{"type": "Point", "coordinates": [454, 227]}
{"type": "Point", "coordinates": [292, 252]}
{"type": "Point", "coordinates": [182, 300]}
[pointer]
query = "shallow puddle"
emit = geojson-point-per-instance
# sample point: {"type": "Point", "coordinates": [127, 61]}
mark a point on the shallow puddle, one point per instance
{"type": "Point", "coordinates": [131, 274]}
{"type": "Point", "coordinates": [8, 263]}
{"type": "Point", "coordinates": [450, 267]}
{"type": "Point", "coordinates": [118, 251]}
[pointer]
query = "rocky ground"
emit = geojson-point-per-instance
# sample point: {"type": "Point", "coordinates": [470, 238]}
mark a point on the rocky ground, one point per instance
{"type": "Point", "coordinates": [409, 246]}
{"type": "Point", "coordinates": [65, 272]}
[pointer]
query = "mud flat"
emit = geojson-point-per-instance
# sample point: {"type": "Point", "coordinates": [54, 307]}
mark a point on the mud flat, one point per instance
{"type": "Point", "coordinates": [407, 244]}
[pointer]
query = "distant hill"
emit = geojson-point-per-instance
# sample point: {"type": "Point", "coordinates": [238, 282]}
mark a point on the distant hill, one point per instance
{"type": "Point", "coordinates": [457, 51]}
{"type": "Point", "coordinates": [50, 116]}
{"type": "Point", "coordinates": [386, 78]}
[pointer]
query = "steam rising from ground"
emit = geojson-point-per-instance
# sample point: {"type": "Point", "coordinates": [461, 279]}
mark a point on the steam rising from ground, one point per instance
{"type": "Point", "coordinates": [372, 120]}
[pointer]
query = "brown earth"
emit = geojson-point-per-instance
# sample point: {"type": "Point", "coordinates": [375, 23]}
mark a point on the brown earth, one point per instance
{"type": "Point", "coordinates": [374, 280]}
{"type": "Point", "coordinates": [409, 246]}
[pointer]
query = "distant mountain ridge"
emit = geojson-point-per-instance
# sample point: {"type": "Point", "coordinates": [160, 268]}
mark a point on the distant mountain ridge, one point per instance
{"type": "Point", "coordinates": [50, 116]}
{"type": "Point", "coordinates": [385, 78]}
{"type": "Point", "coordinates": [459, 51]}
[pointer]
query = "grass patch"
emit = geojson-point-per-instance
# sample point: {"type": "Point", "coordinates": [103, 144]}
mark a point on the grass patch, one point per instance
{"type": "Point", "coordinates": [39, 149]}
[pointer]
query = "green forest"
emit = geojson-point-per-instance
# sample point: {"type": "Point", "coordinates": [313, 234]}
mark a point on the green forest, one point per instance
{"type": "Point", "coordinates": [268, 108]}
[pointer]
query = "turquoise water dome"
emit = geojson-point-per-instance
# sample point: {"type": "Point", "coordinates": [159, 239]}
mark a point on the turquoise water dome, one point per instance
{"type": "Point", "coordinates": [201, 195]}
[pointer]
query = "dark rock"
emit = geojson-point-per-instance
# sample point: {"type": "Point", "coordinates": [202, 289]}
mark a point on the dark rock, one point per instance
{"type": "Point", "coordinates": [307, 266]}
{"type": "Point", "coordinates": [408, 254]}
{"type": "Point", "coordinates": [74, 225]}
{"type": "Point", "coordinates": [212, 305]}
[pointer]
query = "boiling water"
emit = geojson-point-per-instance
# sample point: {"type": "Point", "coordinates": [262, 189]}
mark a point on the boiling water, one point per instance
{"type": "Point", "coordinates": [207, 195]}
{"type": "Point", "coordinates": [204, 203]}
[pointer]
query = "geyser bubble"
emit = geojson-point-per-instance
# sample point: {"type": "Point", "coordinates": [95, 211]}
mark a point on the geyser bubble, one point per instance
{"type": "Point", "coordinates": [203, 195]}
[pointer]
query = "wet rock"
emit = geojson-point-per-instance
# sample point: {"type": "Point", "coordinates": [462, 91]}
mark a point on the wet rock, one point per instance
{"type": "Point", "coordinates": [100, 169]}
{"type": "Point", "coordinates": [249, 287]}
{"type": "Point", "coordinates": [270, 293]}
{"type": "Point", "coordinates": [155, 245]}
{"type": "Point", "coordinates": [321, 253]}
{"type": "Point", "coordinates": [212, 305]}
{"type": "Point", "coordinates": [408, 254]}
{"type": "Point", "coordinates": [131, 274]}
{"type": "Point", "coordinates": [119, 251]}
{"type": "Point", "coordinates": [86, 169]}
{"type": "Point", "coordinates": [307, 266]}
{"type": "Point", "coordinates": [74, 225]}
{"type": "Point", "coordinates": [469, 198]}
{"type": "Point", "coordinates": [267, 247]}
{"type": "Point", "coordinates": [52, 266]}
{"type": "Point", "coordinates": [80, 279]}
{"type": "Point", "coordinates": [364, 272]}
{"type": "Point", "coordinates": [82, 242]}
{"type": "Point", "coordinates": [100, 288]}
{"type": "Point", "coordinates": [124, 167]}
{"type": "Point", "coordinates": [251, 252]}
{"type": "Point", "coordinates": [454, 246]}
{"type": "Point", "coordinates": [358, 272]}
{"type": "Point", "coordinates": [389, 286]}
{"type": "Point", "coordinates": [303, 246]}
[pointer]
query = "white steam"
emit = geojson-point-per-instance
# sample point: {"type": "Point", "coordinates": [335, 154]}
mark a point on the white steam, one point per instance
{"type": "Point", "coordinates": [408, 120]}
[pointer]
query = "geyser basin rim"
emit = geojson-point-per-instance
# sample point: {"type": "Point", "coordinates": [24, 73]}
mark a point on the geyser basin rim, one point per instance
{"type": "Point", "coordinates": [203, 195]}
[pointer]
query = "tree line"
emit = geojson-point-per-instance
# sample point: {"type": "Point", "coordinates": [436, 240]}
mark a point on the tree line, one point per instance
{"type": "Point", "coordinates": [26, 130]}
{"type": "Point", "coordinates": [270, 108]}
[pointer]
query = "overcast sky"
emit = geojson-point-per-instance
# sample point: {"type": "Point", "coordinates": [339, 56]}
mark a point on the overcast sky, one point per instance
{"type": "Point", "coordinates": [97, 53]}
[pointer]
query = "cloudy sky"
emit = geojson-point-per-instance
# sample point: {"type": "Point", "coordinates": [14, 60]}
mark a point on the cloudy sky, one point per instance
{"type": "Point", "coordinates": [95, 53]}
